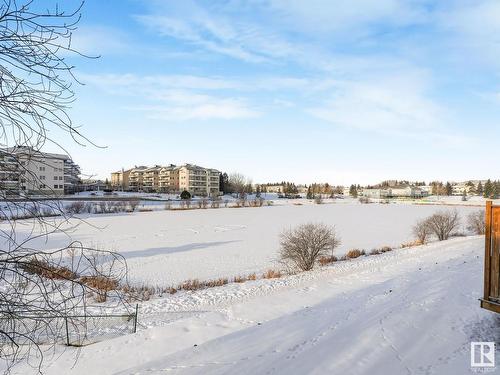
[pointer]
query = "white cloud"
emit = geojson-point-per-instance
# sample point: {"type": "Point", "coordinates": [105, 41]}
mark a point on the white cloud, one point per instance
{"type": "Point", "coordinates": [175, 97]}
{"type": "Point", "coordinates": [392, 105]}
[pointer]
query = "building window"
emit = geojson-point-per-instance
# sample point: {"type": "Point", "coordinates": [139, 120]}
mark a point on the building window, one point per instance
{"type": "Point", "coordinates": [55, 177]}
{"type": "Point", "coordinates": [60, 178]}
{"type": "Point", "coordinates": [42, 177]}
{"type": "Point", "coordinates": [42, 169]}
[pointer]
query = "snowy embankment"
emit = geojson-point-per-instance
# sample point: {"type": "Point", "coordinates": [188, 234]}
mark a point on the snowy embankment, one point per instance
{"type": "Point", "coordinates": [167, 247]}
{"type": "Point", "coordinates": [410, 311]}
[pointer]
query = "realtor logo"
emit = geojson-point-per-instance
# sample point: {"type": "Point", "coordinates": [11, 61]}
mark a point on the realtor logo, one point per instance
{"type": "Point", "coordinates": [482, 354]}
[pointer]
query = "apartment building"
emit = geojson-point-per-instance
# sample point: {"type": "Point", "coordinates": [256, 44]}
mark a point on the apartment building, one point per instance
{"type": "Point", "coordinates": [136, 178]}
{"type": "Point", "coordinates": [169, 179]}
{"type": "Point", "coordinates": [34, 172]}
{"type": "Point", "coordinates": [120, 179]}
{"type": "Point", "coordinates": [10, 183]}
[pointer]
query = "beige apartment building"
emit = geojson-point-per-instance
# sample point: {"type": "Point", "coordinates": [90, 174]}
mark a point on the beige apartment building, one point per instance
{"type": "Point", "coordinates": [169, 179]}
{"type": "Point", "coordinates": [30, 171]}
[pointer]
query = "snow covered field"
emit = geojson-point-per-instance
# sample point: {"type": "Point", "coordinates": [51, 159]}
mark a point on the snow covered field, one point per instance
{"type": "Point", "coordinates": [167, 247]}
{"type": "Point", "coordinates": [410, 311]}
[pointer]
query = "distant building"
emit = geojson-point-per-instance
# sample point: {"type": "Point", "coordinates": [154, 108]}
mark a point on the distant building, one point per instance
{"type": "Point", "coordinates": [168, 179]}
{"type": "Point", "coordinates": [395, 192]}
{"type": "Point", "coordinates": [30, 171]}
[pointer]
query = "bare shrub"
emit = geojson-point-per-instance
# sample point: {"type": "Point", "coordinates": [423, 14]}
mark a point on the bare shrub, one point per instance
{"type": "Point", "coordinates": [422, 230]}
{"type": "Point", "coordinates": [75, 207]}
{"type": "Point", "coordinates": [271, 274]}
{"type": "Point", "coordinates": [304, 245]}
{"type": "Point", "coordinates": [476, 222]}
{"type": "Point", "coordinates": [204, 203]}
{"type": "Point", "coordinates": [354, 253]}
{"type": "Point", "coordinates": [385, 249]}
{"type": "Point", "coordinates": [168, 206]}
{"type": "Point", "coordinates": [318, 199]}
{"type": "Point", "coordinates": [252, 276]}
{"type": "Point", "coordinates": [375, 252]}
{"type": "Point", "coordinates": [240, 279]}
{"type": "Point", "coordinates": [443, 223]}
{"type": "Point", "coordinates": [364, 200]}
{"type": "Point", "coordinates": [133, 203]}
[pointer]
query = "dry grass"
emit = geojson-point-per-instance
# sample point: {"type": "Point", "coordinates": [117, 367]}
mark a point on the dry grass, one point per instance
{"type": "Point", "coordinates": [101, 283]}
{"type": "Point", "coordinates": [327, 260]}
{"type": "Point", "coordinates": [213, 283]}
{"type": "Point", "coordinates": [45, 269]}
{"type": "Point", "coordinates": [143, 209]}
{"type": "Point", "coordinates": [354, 253]}
{"type": "Point", "coordinates": [411, 244]}
{"type": "Point", "coordinates": [252, 276]}
{"type": "Point", "coordinates": [271, 274]}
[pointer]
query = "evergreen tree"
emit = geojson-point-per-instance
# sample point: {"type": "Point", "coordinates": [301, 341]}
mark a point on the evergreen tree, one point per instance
{"type": "Point", "coordinates": [309, 193]}
{"type": "Point", "coordinates": [353, 192]}
{"type": "Point", "coordinates": [495, 191]}
{"type": "Point", "coordinates": [488, 189]}
{"type": "Point", "coordinates": [479, 190]}
{"type": "Point", "coordinates": [448, 189]}
{"type": "Point", "coordinates": [257, 192]}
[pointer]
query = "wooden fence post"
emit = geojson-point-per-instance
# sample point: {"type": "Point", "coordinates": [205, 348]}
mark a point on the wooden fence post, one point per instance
{"type": "Point", "coordinates": [135, 319]}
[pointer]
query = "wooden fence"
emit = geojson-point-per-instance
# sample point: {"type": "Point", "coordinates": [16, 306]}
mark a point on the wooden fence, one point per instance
{"type": "Point", "coordinates": [491, 298]}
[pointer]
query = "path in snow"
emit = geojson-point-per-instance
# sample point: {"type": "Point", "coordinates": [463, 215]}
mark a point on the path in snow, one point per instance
{"type": "Point", "coordinates": [411, 311]}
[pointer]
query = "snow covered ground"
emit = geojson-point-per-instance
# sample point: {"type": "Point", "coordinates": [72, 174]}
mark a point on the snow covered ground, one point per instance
{"type": "Point", "coordinates": [410, 311]}
{"type": "Point", "coordinates": [166, 247]}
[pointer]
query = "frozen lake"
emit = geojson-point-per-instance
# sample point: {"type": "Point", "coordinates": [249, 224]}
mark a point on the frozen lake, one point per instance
{"type": "Point", "coordinates": [166, 247]}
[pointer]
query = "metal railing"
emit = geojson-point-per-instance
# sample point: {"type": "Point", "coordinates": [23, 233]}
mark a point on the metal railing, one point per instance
{"type": "Point", "coordinates": [70, 330]}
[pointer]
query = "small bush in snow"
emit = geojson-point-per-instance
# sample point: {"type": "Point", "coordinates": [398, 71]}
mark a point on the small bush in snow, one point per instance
{"type": "Point", "coordinates": [364, 200]}
{"type": "Point", "coordinates": [133, 204]}
{"type": "Point", "coordinates": [271, 274]}
{"type": "Point", "coordinates": [422, 231]}
{"type": "Point", "coordinates": [443, 223]}
{"type": "Point", "coordinates": [327, 260]}
{"type": "Point", "coordinates": [75, 207]}
{"type": "Point", "coordinates": [354, 253]}
{"type": "Point", "coordinates": [476, 222]}
{"type": "Point", "coordinates": [303, 246]}
{"type": "Point", "coordinates": [318, 200]}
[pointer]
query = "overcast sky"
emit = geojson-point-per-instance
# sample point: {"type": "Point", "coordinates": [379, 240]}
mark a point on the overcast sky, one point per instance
{"type": "Point", "coordinates": [326, 91]}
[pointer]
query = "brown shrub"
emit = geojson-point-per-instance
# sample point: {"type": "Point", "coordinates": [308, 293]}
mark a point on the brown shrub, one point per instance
{"type": "Point", "coordinates": [171, 290]}
{"type": "Point", "coordinates": [240, 279]}
{"type": "Point", "coordinates": [191, 285]}
{"type": "Point", "coordinates": [252, 276]}
{"type": "Point", "coordinates": [271, 274]}
{"type": "Point", "coordinates": [375, 252]}
{"type": "Point", "coordinates": [145, 209]}
{"type": "Point", "coordinates": [327, 260]}
{"type": "Point", "coordinates": [354, 253]}
{"type": "Point", "coordinates": [100, 283]}
{"type": "Point", "coordinates": [214, 283]}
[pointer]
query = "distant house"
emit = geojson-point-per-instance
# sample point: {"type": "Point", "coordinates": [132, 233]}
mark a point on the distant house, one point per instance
{"type": "Point", "coordinates": [407, 192]}
{"type": "Point", "coordinates": [376, 193]}
{"type": "Point", "coordinates": [395, 192]}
